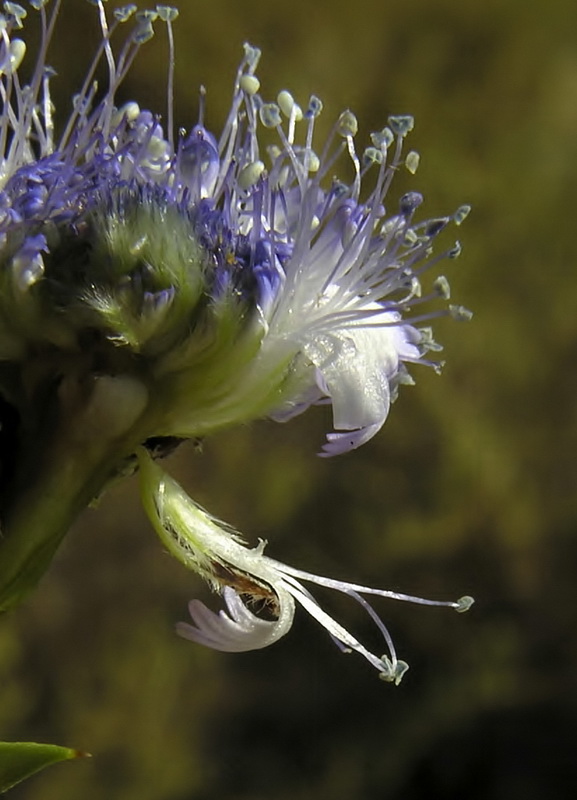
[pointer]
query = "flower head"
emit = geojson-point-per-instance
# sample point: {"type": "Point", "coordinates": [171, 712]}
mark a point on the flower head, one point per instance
{"type": "Point", "coordinates": [234, 284]}
{"type": "Point", "coordinates": [155, 287]}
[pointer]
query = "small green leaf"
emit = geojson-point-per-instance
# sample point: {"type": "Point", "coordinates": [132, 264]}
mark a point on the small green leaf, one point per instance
{"type": "Point", "coordinates": [19, 760]}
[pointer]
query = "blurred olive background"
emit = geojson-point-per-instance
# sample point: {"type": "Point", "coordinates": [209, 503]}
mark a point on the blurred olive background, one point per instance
{"type": "Point", "coordinates": [470, 488]}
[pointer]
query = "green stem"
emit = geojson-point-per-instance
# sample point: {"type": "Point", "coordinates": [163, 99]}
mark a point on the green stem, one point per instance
{"type": "Point", "coordinates": [58, 476]}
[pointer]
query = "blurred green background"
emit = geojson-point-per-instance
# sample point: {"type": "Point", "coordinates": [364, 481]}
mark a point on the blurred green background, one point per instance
{"type": "Point", "coordinates": [470, 488]}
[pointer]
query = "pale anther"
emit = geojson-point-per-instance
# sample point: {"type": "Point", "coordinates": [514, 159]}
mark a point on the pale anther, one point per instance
{"type": "Point", "coordinates": [286, 102]}
{"type": "Point", "coordinates": [372, 155]}
{"type": "Point", "coordinates": [455, 251]}
{"type": "Point", "coordinates": [17, 51]}
{"type": "Point", "coordinates": [383, 139]}
{"type": "Point", "coordinates": [412, 161]}
{"type": "Point", "coordinates": [143, 32]}
{"type": "Point", "coordinates": [315, 106]}
{"type": "Point", "coordinates": [147, 16]}
{"type": "Point", "coordinates": [250, 174]}
{"type": "Point", "coordinates": [129, 112]}
{"type": "Point", "coordinates": [401, 124]}
{"type": "Point", "coordinates": [461, 214]}
{"type": "Point", "coordinates": [167, 13]}
{"type": "Point", "coordinates": [249, 84]}
{"type": "Point", "coordinates": [347, 124]}
{"type": "Point", "coordinates": [125, 12]}
{"type": "Point", "coordinates": [460, 313]}
{"type": "Point", "coordinates": [464, 603]}
{"type": "Point", "coordinates": [16, 11]}
{"type": "Point", "coordinates": [270, 115]}
{"type": "Point", "coordinates": [442, 288]}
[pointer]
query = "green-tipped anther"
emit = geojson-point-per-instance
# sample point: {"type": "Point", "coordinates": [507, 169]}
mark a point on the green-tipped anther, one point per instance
{"type": "Point", "coordinates": [383, 139]}
{"type": "Point", "coordinates": [372, 156]}
{"type": "Point", "coordinates": [395, 672]}
{"type": "Point", "coordinates": [442, 287]}
{"type": "Point", "coordinates": [460, 313]}
{"type": "Point", "coordinates": [315, 106]}
{"type": "Point", "coordinates": [464, 604]}
{"type": "Point", "coordinates": [347, 124]}
{"type": "Point", "coordinates": [167, 13]}
{"type": "Point", "coordinates": [125, 12]}
{"type": "Point", "coordinates": [401, 124]}
{"type": "Point", "coordinates": [412, 161]}
{"type": "Point", "coordinates": [461, 214]}
{"type": "Point", "coordinates": [270, 115]}
{"type": "Point", "coordinates": [455, 251]}
{"type": "Point", "coordinates": [147, 15]}
{"type": "Point", "coordinates": [17, 12]}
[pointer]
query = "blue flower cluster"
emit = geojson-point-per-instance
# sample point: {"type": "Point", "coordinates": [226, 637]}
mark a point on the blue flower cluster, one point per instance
{"type": "Point", "coordinates": [311, 275]}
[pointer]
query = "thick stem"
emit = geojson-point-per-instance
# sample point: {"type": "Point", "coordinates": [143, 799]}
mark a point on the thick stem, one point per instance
{"type": "Point", "coordinates": [62, 474]}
